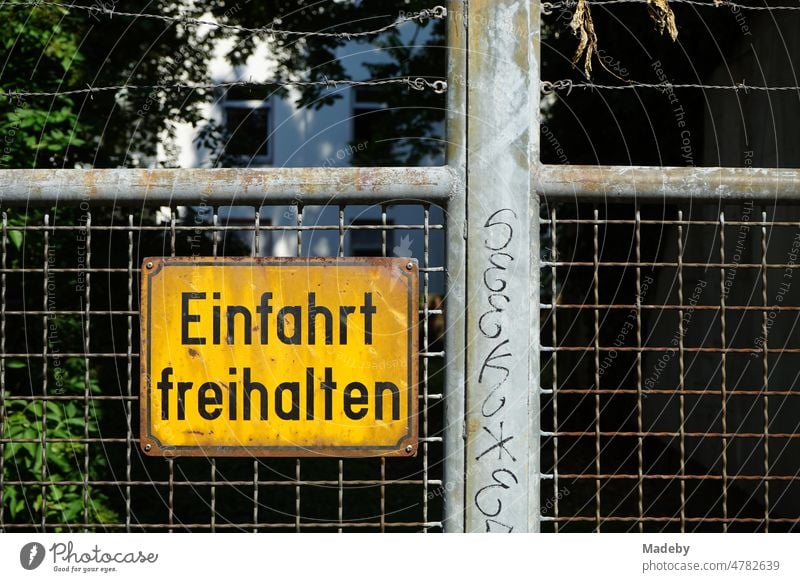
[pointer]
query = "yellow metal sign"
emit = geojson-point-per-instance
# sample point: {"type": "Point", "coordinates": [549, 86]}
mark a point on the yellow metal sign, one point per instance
{"type": "Point", "coordinates": [279, 357]}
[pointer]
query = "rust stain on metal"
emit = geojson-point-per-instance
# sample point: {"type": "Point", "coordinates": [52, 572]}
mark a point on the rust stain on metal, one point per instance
{"type": "Point", "coordinates": [89, 184]}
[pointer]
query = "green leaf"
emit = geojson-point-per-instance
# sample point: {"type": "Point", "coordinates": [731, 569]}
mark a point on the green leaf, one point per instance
{"type": "Point", "coordinates": [15, 236]}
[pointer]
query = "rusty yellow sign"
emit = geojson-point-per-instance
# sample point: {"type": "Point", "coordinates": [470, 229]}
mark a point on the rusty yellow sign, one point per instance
{"type": "Point", "coordinates": [279, 357]}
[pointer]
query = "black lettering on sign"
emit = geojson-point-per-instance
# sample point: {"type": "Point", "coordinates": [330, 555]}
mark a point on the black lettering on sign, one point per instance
{"type": "Point", "coordinates": [297, 314]}
{"type": "Point", "coordinates": [314, 311]}
{"type": "Point", "coordinates": [187, 318]}
{"type": "Point", "coordinates": [289, 320]}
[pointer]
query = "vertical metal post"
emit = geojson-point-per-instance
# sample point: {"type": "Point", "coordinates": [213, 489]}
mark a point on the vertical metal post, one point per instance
{"type": "Point", "coordinates": [502, 406]}
{"type": "Point", "coordinates": [453, 483]}
{"type": "Point", "coordinates": [533, 44]}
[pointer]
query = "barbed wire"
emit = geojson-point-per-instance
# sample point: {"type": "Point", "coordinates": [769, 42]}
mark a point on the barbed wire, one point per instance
{"type": "Point", "coordinates": [416, 83]}
{"type": "Point", "coordinates": [549, 7]}
{"type": "Point", "coordinates": [437, 12]}
{"type": "Point", "coordinates": [549, 87]}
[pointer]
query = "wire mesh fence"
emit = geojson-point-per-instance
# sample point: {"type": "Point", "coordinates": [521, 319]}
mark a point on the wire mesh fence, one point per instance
{"type": "Point", "coordinates": [669, 368]}
{"type": "Point", "coordinates": [69, 381]}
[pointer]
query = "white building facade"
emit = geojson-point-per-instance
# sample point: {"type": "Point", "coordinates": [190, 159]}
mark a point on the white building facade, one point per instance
{"type": "Point", "coordinates": [265, 130]}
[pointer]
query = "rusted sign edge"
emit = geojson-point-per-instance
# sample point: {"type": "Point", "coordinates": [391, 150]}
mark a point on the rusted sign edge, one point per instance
{"type": "Point", "coordinates": [406, 447]}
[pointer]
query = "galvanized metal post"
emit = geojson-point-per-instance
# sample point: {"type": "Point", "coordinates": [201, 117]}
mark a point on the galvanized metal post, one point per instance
{"type": "Point", "coordinates": [455, 303]}
{"type": "Point", "coordinates": [502, 406]}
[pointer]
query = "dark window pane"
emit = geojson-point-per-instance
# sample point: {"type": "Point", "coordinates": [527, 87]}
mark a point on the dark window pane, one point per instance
{"type": "Point", "coordinates": [248, 130]}
{"type": "Point", "coordinates": [367, 122]}
{"type": "Point", "coordinates": [368, 242]}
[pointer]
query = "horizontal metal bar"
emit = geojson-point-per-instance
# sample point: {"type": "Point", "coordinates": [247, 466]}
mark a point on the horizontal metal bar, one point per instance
{"type": "Point", "coordinates": [675, 391]}
{"type": "Point", "coordinates": [117, 440]}
{"type": "Point", "coordinates": [233, 483]}
{"type": "Point", "coordinates": [225, 186]}
{"type": "Point", "coordinates": [658, 307]}
{"type": "Point", "coordinates": [672, 434]}
{"type": "Point", "coordinates": [125, 312]}
{"type": "Point", "coordinates": [137, 270]}
{"type": "Point", "coordinates": [686, 349]}
{"type": "Point", "coordinates": [238, 227]}
{"type": "Point", "coordinates": [80, 397]}
{"type": "Point", "coordinates": [654, 184]}
{"type": "Point", "coordinates": [660, 223]}
{"type": "Point", "coordinates": [702, 519]}
{"type": "Point", "coordinates": [671, 477]}
{"type": "Point", "coordinates": [687, 265]}
{"type": "Point", "coordinates": [131, 354]}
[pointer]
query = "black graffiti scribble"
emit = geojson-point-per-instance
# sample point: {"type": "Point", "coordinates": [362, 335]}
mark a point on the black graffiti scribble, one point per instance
{"type": "Point", "coordinates": [487, 488]}
{"type": "Point", "coordinates": [499, 444]}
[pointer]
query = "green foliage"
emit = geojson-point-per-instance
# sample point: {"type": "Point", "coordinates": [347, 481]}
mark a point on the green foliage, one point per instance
{"type": "Point", "coordinates": [43, 437]}
{"type": "Point", "coordinates": [55, 459]}
{"type": "Point", "coordinates": [51, 48]}
{"type": "Point", "coordinates": [47, 49]}
{"type": "Point", "coordinates": [42, 48]}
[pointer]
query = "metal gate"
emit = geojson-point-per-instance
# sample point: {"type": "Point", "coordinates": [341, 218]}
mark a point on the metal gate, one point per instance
{"type": "Point", "coordinates": [484, 455]}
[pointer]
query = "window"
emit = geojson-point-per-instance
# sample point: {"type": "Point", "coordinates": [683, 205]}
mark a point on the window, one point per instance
{"type": "Point", "coordinates": [366, 241]}
{"type": "Point", "coordinates": [248, 131]}
{"type": "Point", "coordinates": [371, 117]}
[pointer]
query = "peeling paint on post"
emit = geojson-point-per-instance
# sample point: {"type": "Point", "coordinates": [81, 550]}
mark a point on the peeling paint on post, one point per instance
{"type": "Point", "coordinates": [502, 323]}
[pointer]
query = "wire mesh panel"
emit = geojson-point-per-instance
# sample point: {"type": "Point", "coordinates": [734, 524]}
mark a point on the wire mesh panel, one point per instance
{"type": "Point", "coordinates": [69, 376]}
{"type": "Point", "coordinates": [669, 368]}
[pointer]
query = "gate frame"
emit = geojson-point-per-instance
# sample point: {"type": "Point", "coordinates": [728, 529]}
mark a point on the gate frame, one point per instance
{"type": "Point", "coordinates": [491, 482]}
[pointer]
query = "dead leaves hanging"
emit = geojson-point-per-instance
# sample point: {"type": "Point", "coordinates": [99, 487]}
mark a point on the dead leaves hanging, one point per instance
{"type": "Point", "coordinates": [583, 27]}
{"type": "Point", "coordinates": [663, 16]}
